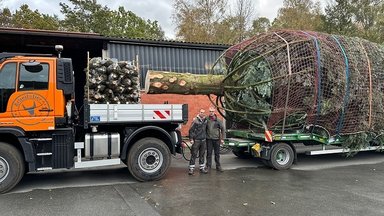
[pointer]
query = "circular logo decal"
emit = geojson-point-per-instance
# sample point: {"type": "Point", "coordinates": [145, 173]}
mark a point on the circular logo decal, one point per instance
{"type": "Point", "coordinates": [29, 105]}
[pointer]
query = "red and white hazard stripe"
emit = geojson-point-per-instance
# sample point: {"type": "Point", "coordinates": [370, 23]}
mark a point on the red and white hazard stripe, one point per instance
{"type": "Point", "coordinates": [268, 136]}
{"type": "Point", "coordinates": [161, 114]}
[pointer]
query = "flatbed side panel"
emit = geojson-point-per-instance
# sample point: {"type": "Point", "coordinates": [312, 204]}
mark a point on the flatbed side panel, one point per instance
{"type": "Point", "coordinates": [341, 150]}
{"type": "Point", "coordinates": [238, 142]}
{"type": "Point", "coordinates": [295, 137]}
{"type": "Point", "coordinates": [121, 113]}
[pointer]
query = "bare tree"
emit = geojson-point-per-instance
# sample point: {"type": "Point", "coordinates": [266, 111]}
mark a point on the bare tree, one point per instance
{"type": "Point", "coordinates": [243, 14]}
{"type": "Point", "coordinates": [195, 19]}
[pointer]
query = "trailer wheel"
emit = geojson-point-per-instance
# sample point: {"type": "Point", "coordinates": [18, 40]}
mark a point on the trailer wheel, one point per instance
{"type": "Point", "coordinates": [281, 156]}
{"type": "Point", "coordinates": [149, 159]}
{"type": "Point", "coordinates": [11, 167]}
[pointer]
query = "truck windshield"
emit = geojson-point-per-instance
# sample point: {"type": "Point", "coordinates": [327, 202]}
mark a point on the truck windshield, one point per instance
{"type": "Point", "coordinates": [7, 84]}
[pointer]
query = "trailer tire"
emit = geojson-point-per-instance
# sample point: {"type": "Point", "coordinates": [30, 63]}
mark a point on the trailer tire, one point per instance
{"type": "Point", "coordinates": [11, 167]}
{"type": "Point", "coordinates": [149, 159]}
{"type": "Point", "coordinates": [282, 156]}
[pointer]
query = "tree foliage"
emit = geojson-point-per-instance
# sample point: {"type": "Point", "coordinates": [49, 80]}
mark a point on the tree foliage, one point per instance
{"type": "Point", "coordinates": [89, 16]}
{"type": "Point", "coordinates": [209, 21]}
{"type": "Point", "coordinates": [198, 20]}
{"type": "Point", "coordinates": [24, 17]}
{"type": "Point", "coordinates": [244, 12]}
{"type": "Point", "coordinates": [299, 15]}
{"type": "Point", "coordinates": [84, 16]}
{"type": "Point", "coordinates": [128, 24]}
{"type": "Point", "coordinates": [363, 18]}
{"type": "Point", "coordinates": [5, 18]}
{"type": "Point", "coordinates": [212, 21]}
{"type": "Point", "coordinates": [260, 25]}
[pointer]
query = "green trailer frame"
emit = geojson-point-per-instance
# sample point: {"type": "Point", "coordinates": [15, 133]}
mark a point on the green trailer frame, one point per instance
{"type": "Point", "coordinates": [282, 151]}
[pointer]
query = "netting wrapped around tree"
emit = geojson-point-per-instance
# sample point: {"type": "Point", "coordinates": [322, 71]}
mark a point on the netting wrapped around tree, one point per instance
{"type": "Point", "coordinates": [294, 82]}
{"type": "Point", "coordinates": [112, 81]}
{"type": "Point", "coordinates": [290, 80]}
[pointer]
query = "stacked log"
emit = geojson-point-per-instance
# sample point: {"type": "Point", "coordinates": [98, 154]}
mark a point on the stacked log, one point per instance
{"type": "Point", "coordinates": [112, 81]}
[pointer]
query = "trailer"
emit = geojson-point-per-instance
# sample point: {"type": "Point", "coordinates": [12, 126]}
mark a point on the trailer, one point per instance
{"type": "Point", "coordinates": [280, 151]}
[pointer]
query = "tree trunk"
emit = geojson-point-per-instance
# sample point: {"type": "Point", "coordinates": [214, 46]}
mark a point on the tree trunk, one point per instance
{"type": "Point", "coordinates": [162, 82]}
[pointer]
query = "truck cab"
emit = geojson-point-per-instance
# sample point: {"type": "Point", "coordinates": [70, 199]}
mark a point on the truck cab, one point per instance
{"type": "Point", "coordinates": [41, 129]}
{"type": "Point", "coordinates": [30, 99]}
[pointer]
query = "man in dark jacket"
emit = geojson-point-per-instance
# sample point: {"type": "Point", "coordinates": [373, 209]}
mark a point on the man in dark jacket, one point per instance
{"type": "Point", "coordinates": [215, 130]}
{"type": "Point", "coordinates": [197, 136]}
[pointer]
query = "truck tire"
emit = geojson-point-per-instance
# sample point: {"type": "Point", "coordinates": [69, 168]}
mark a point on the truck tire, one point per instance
{"type": "Point", "coordinates": [11, 167]}
{"type": "Point", "coordinates": [282, 156]}
{"type": "Point", "coordinates": [149, 159]}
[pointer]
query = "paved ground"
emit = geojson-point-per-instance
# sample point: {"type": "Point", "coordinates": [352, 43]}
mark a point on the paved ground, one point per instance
{"type": "Point", "coordinates": [318, 185]}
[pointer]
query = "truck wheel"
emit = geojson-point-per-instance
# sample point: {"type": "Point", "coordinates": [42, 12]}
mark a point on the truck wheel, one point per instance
{"type": "Point", "coordinates": [281, 156]}
{"type": "Point", "coordinates": [11, 167]}
{"type": "Point", "coordinates": [149, 159]}
{"type": "Point", "coordinates": [242, 154]}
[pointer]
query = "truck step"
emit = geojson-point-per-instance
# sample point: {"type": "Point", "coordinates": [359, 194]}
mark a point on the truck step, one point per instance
{"type": "Point", "coordinates": [40, 139]}
{"type": "Point", "coordinates": [44, 154]}
{"type": "Point", "coordinates": [44, 168]}
{"type": "Point", "coordinates": [97, 163]}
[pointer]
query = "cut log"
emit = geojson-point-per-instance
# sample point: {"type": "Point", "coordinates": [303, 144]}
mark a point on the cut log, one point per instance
{"type": "Point", "coordinates": [163, 82]}
{"type": "Point", "coordinates": [112, 81]}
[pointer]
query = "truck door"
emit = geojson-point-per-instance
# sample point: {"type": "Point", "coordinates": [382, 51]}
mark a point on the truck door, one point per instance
{"type": "Point", "coordinates": [32, 105]}
{"type": "Point", "coordinates": [7, 88]}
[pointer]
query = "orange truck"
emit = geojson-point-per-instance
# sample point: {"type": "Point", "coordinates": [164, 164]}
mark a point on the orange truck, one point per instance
{"type": "Point", "coordinates": [41, 128]}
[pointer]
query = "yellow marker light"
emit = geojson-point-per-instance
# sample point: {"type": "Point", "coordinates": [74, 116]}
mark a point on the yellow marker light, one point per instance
{"type": "Point", "coordinates": [256, 149]}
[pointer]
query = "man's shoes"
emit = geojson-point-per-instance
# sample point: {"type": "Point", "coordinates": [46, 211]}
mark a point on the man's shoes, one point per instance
{"type": "Point", "coordinates": [219, 169]}
{"type": "Point", "coordinates": [190, 172]}
{"type": "Point", "coordinates": [203, 171]}
{"type": "Point", "coordinates": [207, 168]}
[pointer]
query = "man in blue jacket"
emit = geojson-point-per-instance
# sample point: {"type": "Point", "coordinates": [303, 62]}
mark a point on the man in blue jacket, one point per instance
{"type": "Point", "coordinates": [215, 131]}
{"type": "Point", "coordinates": [197, 136]}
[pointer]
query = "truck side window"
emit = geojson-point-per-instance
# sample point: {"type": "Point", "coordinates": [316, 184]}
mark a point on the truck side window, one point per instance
{"type": "Point", "coordinates": [7, 84]}
{"type": "Point", "coordinates": [33, 77]}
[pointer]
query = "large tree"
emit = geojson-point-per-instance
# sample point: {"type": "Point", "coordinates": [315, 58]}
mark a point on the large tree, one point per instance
{"type": "Point", "coordinates": [89, 16]}
{"type": "Point", "coordinates": [6, 18]}
{"type": "Point", "coordinates": [212, 21]}
{"type": "Point", "coordinates": [243, 15]}
{"type": "Point", "coordinates": [299, 15]}
{"type": "Point", "coordinates": [128, 24]}
{"type": "Point", "coordinates": [86, 16]}
{"type": "Point", "coordinates": [361, 18]}
{"type": "Point", "coordinates": [260, 25]}
{"type": "Point", "coordinates": [339, 18]}
{"type": "Point", "coordinates": [24, 17]}
{"type": "Point", "coordinates": [197, 20]}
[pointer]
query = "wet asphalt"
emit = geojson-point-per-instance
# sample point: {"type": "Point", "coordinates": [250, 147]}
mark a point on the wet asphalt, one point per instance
{"type": "Point", "coordinates": [245, 188]}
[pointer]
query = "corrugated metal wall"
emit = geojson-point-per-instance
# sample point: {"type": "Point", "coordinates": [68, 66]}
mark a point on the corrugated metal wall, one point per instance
{"type": "Point", "coordinates": [196, 60]}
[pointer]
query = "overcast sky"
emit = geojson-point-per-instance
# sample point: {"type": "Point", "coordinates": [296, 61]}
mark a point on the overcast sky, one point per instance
{"type": "Point", "coordinates": [160, 10]}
